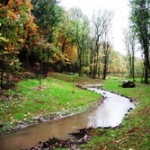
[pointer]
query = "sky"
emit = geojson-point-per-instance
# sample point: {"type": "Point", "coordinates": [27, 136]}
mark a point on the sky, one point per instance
{"type": "Point", "coordinates": [120, 20]}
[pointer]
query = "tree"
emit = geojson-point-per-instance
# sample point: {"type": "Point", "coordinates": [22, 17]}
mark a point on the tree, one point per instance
{"type": "Point", "coordinates": [117, 64]}
{"type": "Point", "coordinates": [106, 47]}
{"type": "Point", "coordinates": [4, 2]}
{"type": "Point", "coordinates": [43, 56]}
{"type": "Point", "coordinates": [140, 17]}
{"type": "Point", "coordinates": [16, 26]}
{"type": "Point", "coordinates": [130, 41]}
{"type": "Point", "coordinates": [48, 16]}
{"type": "Point", "coordinates": [101, 24]}
{"type": "Point", "coordinates": [81, 33]}
{"type": "Point", "coordinates": [67, 46]}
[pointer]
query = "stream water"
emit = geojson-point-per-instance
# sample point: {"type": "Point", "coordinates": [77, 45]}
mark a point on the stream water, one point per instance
{"type": "Point", "coordinates": [109, 114]}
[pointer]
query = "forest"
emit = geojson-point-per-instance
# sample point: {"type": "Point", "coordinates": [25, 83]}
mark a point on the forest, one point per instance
{"type": "Point", "coordinates": [37, 37]}
{"type": "Point", "coordinates": [58, 64]}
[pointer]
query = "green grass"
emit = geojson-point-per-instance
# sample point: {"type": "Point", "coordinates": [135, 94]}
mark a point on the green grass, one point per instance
{"type": "Point", "coordinates": [28, 99]}
{"type": "Point", "coordinates": [135, 131]}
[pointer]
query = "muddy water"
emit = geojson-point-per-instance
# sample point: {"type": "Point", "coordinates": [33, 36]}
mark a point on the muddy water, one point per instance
{"type": "Point", "coordinates": [109, 114]}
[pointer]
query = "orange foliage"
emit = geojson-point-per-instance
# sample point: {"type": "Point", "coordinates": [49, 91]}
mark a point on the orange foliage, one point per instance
{"type": "Point", "coordinates": [69, 50]}
{"type": "Point", "coordinates": [13, 12]}
{"type": "Point", "coordinates": [10, 2]}
{"type": "Point", "coordinates": [13, 3]}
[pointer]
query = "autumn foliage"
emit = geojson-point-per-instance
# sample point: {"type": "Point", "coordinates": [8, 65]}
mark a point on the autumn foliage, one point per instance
{"type": "Point", "coordinates": [41, 36]}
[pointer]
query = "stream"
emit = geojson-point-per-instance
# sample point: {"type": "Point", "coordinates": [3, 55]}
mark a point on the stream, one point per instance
{"type": "Point", "coordinates": [109, 114]}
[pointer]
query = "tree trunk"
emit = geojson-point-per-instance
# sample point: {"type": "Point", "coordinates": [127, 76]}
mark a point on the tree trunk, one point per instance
{"type": "Point", "coordinates": [99, 67]}
{"type": "Point", "coordinates": [2, 78]}
{"type": "Point", "coordinates": [133, 75]}
{"type": "Point", "coordinates": [94, 68]}
{"type": "Point", "coordinates": [130, 66]}
{"type": "Point", "coordinates": [2, 72]}
{"type": "Point", "coordinates": [105, 68]}
{"type": "Point", "coordinates": [146, 64]}
{"type": "Point", "coordinates": [91, 64]}
{"type": "Point", "coordinates": [80, 61]}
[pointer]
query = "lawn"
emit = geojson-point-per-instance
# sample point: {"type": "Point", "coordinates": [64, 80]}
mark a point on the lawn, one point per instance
{"type": "Point", "coordinates": [31, 98]}
{"type": "Point", "coordinates": [58, 93]}
{"type": "Point", "coordinates": [134, 134]}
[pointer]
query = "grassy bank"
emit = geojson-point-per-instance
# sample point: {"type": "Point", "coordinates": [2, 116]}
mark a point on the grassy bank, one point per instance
{"type": "Point", "coordinates": [54, 94]}
{"type": "Point", "coordinates": [135, 131]}
{"type": "Point", "coordinates": [49, 96]}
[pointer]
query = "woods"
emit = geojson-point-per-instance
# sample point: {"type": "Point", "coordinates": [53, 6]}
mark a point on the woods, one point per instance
{"type": "Point", "coordinates": [57, 64]}
{"type": "Point", "coordinates": [41, 36]}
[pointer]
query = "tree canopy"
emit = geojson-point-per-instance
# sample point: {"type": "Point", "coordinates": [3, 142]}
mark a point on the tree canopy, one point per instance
{"type": "Point", "coordinates": [40, 36]}
{"type": "Point", "coordinates": [140, 17]}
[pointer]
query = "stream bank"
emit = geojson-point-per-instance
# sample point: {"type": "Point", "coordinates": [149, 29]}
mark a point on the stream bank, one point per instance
{"type": "Point", "coordinates": [7, 129]}
{"type": "Point", "coordinates": [100, 117]}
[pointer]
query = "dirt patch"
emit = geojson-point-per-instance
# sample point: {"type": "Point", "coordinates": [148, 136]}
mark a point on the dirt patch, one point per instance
{"type": "Point", "coordinates": [144, 111]}
{"type": "Point", "coordinates": [82, 136]}
{"type": "Point", "coordinates": [40, 88]}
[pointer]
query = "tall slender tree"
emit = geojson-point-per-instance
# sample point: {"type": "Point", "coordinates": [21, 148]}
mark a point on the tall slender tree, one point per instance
{"type": "Point", "coordinates": [106, 48]}
{"type": "Point", "coordinates": [140, 17]}
{"type": "Point", "coordinates": [130, 42]}
{"type": "Point", "coordinates": [101, 23]}
{"type": "Point", "coordinates": [81, 33]}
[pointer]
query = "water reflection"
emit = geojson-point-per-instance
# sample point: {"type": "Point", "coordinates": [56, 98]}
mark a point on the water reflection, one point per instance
{"type": "Point", "coordinates": [30, 136]}
{"type": "Point", "coordinates": [109, 114]}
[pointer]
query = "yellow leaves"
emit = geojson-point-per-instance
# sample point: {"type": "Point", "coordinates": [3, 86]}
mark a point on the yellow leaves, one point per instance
{"type": "Point", "coordinates": [68, 49]}
{"type": "Point", "coordinates": [29, 5]}
{"type": "Point", "coordinates": [71, 52]}
{"type": "Point", "coordinates": [9, 48]}
{"type": "Point", "coordinates": [21, 40]}
{"type": "Point", "coordinates": [3, 39]}
{"type": "Point", "coordinates": [57, 57]}
{"type": "Point", "coordinates": [32, 27]}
